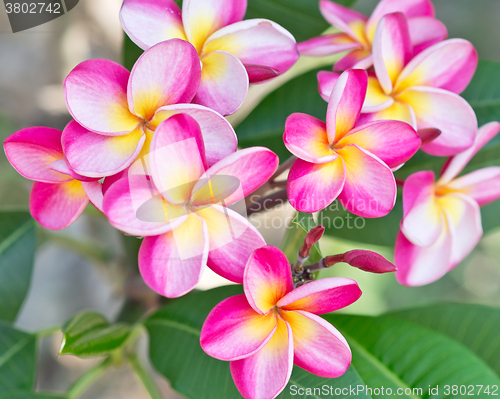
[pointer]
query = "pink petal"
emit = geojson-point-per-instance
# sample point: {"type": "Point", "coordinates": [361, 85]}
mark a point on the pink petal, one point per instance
{"type": "Point", "coordinates": [326, 81]}
{"type": "Point", "coordinates": [148, 22]}
{"type": "Point", "coordinates": [62, 166]}
{"type": "Point", "coordinates": [376, 100]}
{"type": "Point", "coordinates": [224, 83]}
{"type": "Point", "coordinates": [356, 59]}
{"type": "Point", "coordinates": [392, 49]}
{"type": "Point", "coordinates": [423, 220]}
{"type": "Point", "coordinates": [446, 111]}
{"type": "Point", "coordinates": [312, 187]}
{"type": "Point", "coordinates": [96, 96]}
{"type": "Point", "coordinates": [425, 32]}
{"type": "Point", "coordinates": [167, 73]}
{"type": "Point", "coordinates": [345, 103]}
{"type": "Point", "coordinates": [459, 161]}
{"type": "Point", "coordinates": [260, 73]}
{"type": "Point", "coordinates": [482, 185]}
{"type": "Point", "coordinates": [201, 18]}
{"type": "Point", "coordinates": [252, 167]}
{"type": "Point", "coordinates": [232, 241]}
{"type": "Point", "coordinates": [318, 346]}
{"type": "Point", "coordinates": [31, 151]}
{"type": "Point", "coordinates": [327, 44]}
{"type": "Point", "coordinates": [218, 134]}
{"type": "Point", "coordinates": [370, 188]}
{"type": "Point", "coordinates": [177, 158]}
{"type": "Point", "coordinates": [397, 111]}
{"type": "Point", "coordinates": [267, 278]}
{"type": "Point", "coordinates": [266, 373]}
{"type": "Point", "coordinates": [306, 137]}
{"type": "Point", "coordinates": [233, 330]}
{"type": "Point", "coordinates": [132, 207]}
{"type": "Point", "coordinates": [257, 42]}
{"type": "Point", "coordinates": [172, 263]}
{"type": "Point", "coordinates": [343, 18]}
{"type": "Point", "coordinates": [96, 155]}
{"type": "Point", "coordinates": [56, 206]}
{"type": "Point", "coordinates": [94, 193]}
{"type": "Point", "coordinates": [394, 142]}
{"type": "Point", "coordinates": [447, 65]}
{"type": "Point", "coordinates": [322, 296]}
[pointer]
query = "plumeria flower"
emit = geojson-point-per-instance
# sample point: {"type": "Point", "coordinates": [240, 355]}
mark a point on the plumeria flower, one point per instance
{"type": "Point", "coordinates": [118, 111]}
{"type": "Point", "coordinates": [422, 91]}
{"type": "Point", "coordinates": [232, 52]}
{"type": "Point", "coordinates": [59, 194]}
{"type": "Point", "coordinates": [358, 31]}
{"type": "Point", "coordinates": [272, 326]}
{"type": "Point", "coordinates": [181, 206]}
{"type": "Point", "coordinates": [442, 220]}
{"type": "Point", "coordinates": [337, 159]}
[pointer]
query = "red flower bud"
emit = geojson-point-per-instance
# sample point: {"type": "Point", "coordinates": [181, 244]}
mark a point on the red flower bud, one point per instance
{"type": "Point", "coordinates": [311, 238]}
{"type": "Point", "coordinates": [368, 261]}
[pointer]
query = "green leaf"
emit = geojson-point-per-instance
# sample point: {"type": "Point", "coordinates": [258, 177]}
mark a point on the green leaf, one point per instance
{"type": "Point", "coordinates": [175, 351]}
{"type": "Point", "coordinates": [302, 18]}
{"type": "Point", "coordinates": [396, 354]}
{"type": "Point", "coordinates": [89, 334]}
{"type": "Point", "coordinates": [474, 326]}
{"type": "Point", "coordinates": [29, 395]}
{"type": "Point", "coordinates": [295, 235]}
{"type": "Point", "coordinates": [17, 359]}
{"type": "Point", "coordinates": [17, 250]}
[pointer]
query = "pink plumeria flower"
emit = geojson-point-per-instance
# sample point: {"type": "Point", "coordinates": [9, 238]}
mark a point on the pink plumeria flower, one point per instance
{"type": "Point", "coordinates": [272, 326]}
{"type": "Point", "coordinates": [182, 208]}
{"type": "Point", "coordinates": [442, 220]}
{"type": "Point", "coordinates": [358, 31]}
{"type": "Point", "coordinates": [422, 91]}
{"type": "Point", "coordinates": [118, 111]}
{"type": "Point", "coordinates": [232, 52]}
{"type": "Point", "coordinates": [337, 159]}
{"type": "Point", "coordinates": [59, 195]}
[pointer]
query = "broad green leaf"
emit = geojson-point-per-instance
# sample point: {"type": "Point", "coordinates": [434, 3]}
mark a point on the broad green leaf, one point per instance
{"type": "Point", "coordinates": [29, 395]}
{"type": "Point", "coordinates": [175, 351]}
{"type": "Point", "coordinates": [17, 359]}
{"type": "Point", "coordinates": [89, 334]}
{"type": "Point", "coordinates": [295, 235]}
{"type": "Point", "coordinates": [302, 18]}
{"type": "Point", "coordinates": [397, 354]}
{"type": "Point", "coordinates": [17, 250]}
{"type": "Point", "coordinates": [475, 326]}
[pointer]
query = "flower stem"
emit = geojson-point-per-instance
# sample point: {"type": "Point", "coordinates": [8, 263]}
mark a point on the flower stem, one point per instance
{"type": "Point", "coordinates": [88, 378]}
{"type": "Point", "coordinates": [283, 167]}
{"type": "Point", "coordinates": [267, 203]}
{"type": "Point", "coordinates": [145, 377]}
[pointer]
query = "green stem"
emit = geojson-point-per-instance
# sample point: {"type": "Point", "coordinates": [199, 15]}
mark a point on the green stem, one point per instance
{"type": "Point", "coordinates": [88, 378]}
{"type": "Point", "coordinates": [145, 377]}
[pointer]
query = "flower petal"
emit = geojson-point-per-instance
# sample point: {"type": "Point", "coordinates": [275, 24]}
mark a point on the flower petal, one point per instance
{"type": "Point", "coordinates": [345, 103]}
{"type": "Point", "coordinates": [394, 142]}
{"type": "Point", "coordinates": [326, 81]}
{"type": "Point", "coordinates": [267, 278]}
{"type": "Point", "coordinates": [356, 59]}
{"type": "Point", "coordinates": [167, 73]}
{"type": "Point", "coordinates": [423, 220]}
{"type": "Point", "coordinates": [392, 49]}
{"type": "Point", "coordinates": [482, 185]}
{"type": "Point", "coordinates": [397, 111]}
{"type": "Point", "coordinates": [232, 240]}
{"type": "Point", "coordinates": [459, 161]}
{"type": "Point", "coordinates": [56, 206]}
{"type": "Point", "coordinates": [322, 296]}
{"type": "Point", "coordinates": [447, 65]}
{"type": "Point", "coordinates": [425, 32]}
{"type": "Point", "coordinates": [257, 42]}
{"type": "Point", "coordinates": [370, 188]}
{"type": "Point", "coordinates": [252, 167]}
{"type": "Point", "coordinates": [224, 83]}
{"type": "Point", "coordinates": [31, 151]}
{"type": "Point", "coordinates": [95, 155]}
{"type": "Point", "coordinates": [318, 346]}
{"type": "Point", "coordinates": [201, 18]}
{"type": "Point", "coordinates": [376, 99]}
{"type": "Point", "coordinates": [260, 73]}
{"type": "Point", "coordinates": [266, 373]}
{"type": "Point", "coordinates": [312, 187]}
{"type": "Point", "coordinates": [306, 137]}
{"type": "Point", "coordinates": [96, 96]}
{"type": "Point", "coordinates": [218, 134]}
{"type": "Point", "coordinates": [446, 111]}
{"type": "Point", "coordinates": [93, 190]}
{"type": "Point", "coordinates": [172, 263]}
{"type": "Point", "coordinates": [233, 330]}
{"type": "Point", "coordinates": [327, 45]}
{"type": "Point", "coordinates": [345, 19]}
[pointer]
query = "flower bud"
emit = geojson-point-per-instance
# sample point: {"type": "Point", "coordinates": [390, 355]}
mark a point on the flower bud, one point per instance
{"type": "Point", "coordinates": [311, 238]}
{"type": "Point", "coordinates": [429, 134]}
{"type": "Point", "coordinates": [368, 261]}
